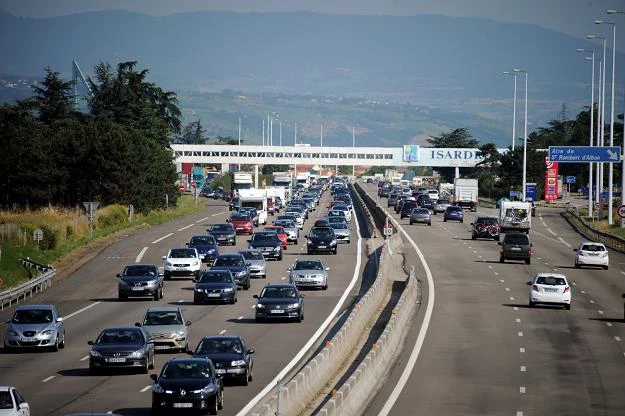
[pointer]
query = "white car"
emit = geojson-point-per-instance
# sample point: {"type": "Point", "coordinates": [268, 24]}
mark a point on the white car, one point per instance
{"type": "Point", "coordinates": [592, 254]}
{"type": "Point", "coordinates": [12, 403]}
{"type": "Point", "coordinates": [182, 262]}
{"type": "Point", "coordinates": [345, 208]}
{"type": "Point", "coordinates": [433, 193]}
{"type": "Point", "coordinates": [550, 289]}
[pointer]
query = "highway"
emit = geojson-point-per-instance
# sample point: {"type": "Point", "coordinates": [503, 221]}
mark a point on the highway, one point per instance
{"type": "Point", "coordinates": [486, 352]}
{"type": "Point", "coordinates": [58, 383]}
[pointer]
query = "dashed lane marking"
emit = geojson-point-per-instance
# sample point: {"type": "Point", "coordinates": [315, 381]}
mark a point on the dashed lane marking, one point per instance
{"type": "Point", "coordinates": [549, 229]}
{"type": "Point", "coordinates": [522, 350]}
{"type": "Point", "coordinates": [146, 388]}
{"type": "Point", "coordinates": [511, 297]}
{"type": "Point", "coordinates": [81, 310]}
{"type": "Point", "coordinates": [203, 219]}
{"type": "Point", "coordinates": [516, 308]}
{"type": "Point", "coordinates": [518, 320]}
{"type": "Point", "coordinates": [223, 331]}
{"type": "Point", "coordinates": [600, 312]}
{"type": "Point", "coordinates": [507, 289]}
{"type": "Point", "coordinates": [565, 243]}
{"type": "Point", "coordinates": [184, 228]}
{"type": "Point", "coordinates": [162, 238]}
{"type": "Point", "coordinates": [85, 358]}
{"type": "Point", "coordinates": [617, 339]}
{"type": "Point", "coordinates": [523, 369]}
{"type": "Point", "coordinates": [45, 380]}
{"type": "Point", "coordinates": [591, 301]}
{"type": "Point", "coordinates": [522, 390]}
{"type": "Point", "coordinates": [140, 256]}
{"type": "Point", "coordinates": [520, 333]}
{"type": "Point", "coordinates": [608, 323]}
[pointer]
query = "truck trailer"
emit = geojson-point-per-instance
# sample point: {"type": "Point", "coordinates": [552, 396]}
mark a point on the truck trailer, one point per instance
{"type": "Point", "coordinates": [466, 193]}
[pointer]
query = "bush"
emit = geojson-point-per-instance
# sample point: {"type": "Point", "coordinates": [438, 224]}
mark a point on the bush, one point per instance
{"type": "Point", "coordinates": [49, 238]}
{"type": "Point", "coordinates": [112, 215]}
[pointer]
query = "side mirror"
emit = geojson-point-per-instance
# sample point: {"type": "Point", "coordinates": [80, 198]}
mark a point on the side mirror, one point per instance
{"type": "Point", "coordinates": [189, 352]}
{"type": "Point", "coordinates": [471, 224]}
{"type": "Point", "coordinates": [195, 280]}
{"type": "Point", "coordinates": [118, 275]}
{"type": "Point", "coordinates": [531, 244]}
{"type": "Point", "coordinates": [301, 295]}
{"type": "Point", "coordinates": [499, 243]}
{"type": "Point", "coordinates": [255, 296]}
{"type": "Point", "coordinates": [250, 351]}
{"type": "Point", "coordinates": [90, 343]}
{"type": "Point", "coordinates": [327, 268]}
{"type": "Point", "coordinates": [228, 220]}
{"type": "Point", "coordinates": [288, 270]}
{"type": "Point", "coordinates": [529, 283]}
{"type": "Point", "coordinates": [23, 406]}
{"type": "Point", "coordinates": [59, 319]}
{"type": "Point", "coordinates": [7, 321]}
{"type": "Point", "coordinates": [154, 377]}
{"type": "Point", "coordinates": [138, 324]}
{"type": "Point", "coordinates": [164, 257]}
{"type": "Point", "coordinates": [249, 241]}
{"type": "Point", "coordinates": [574, 249]}
{"type": "Point", "coordinates": [187, 323]}
{"type": "Point", "coordinates": [186, 244]}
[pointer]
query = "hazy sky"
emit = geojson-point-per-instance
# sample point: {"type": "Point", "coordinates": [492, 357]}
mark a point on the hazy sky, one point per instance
{"type": "Point", "coordinates": [574, 17]}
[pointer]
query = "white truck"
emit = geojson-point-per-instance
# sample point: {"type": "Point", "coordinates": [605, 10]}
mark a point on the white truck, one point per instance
{"type": "Point", "coordinates": [446, 191]}
{"type": "Point", "coordinates": [272, 193]}
{"type": "Point", "coordinates": [515, 216]}
{"type": "Point", "coordinates": [465, 193]}
{"type": "Point", "coordinates": [396, 180]}
{"type": "Point", "coordinates": [256, 198]}
{"type": "Point", "coordinates": [303, 178]}
{"type": "Point", "coordinates": [241, 180]}
{"type": "Point", "coordinates": [285, 180]}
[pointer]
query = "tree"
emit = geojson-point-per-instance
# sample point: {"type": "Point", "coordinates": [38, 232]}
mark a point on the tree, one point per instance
{"type": "Point", "coordinates": [193, 133]}
{"type": "Point", "coordinates": [458, 138]}
{"type": "Point", "coordinates": [52, 100]}
{"type": "Point", "coordinates": [269, 169]}
{"type": "Point", "coordinates": [227, 140]}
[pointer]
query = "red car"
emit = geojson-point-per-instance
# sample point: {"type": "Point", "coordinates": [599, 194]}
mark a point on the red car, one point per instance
{"type": "Point", "coordinates": [242, 223]}
{"type": "Point", "coordinates": [281, 234]}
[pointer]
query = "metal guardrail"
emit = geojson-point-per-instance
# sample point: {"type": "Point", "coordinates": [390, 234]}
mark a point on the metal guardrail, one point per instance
{"type": "Point", "coordinates": [587, 230]}
{"type": "Point", "coordinates": [30, 287]}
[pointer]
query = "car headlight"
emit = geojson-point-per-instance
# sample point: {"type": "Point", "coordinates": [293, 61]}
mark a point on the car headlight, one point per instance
{"type": "Point", "coordinates": [205, 390]}
{"type": "Point", "coordinates": [179, 333]}
{"type": "Point", "coordinates": [198, 290]}
{"type": "Point", "coordinates": [168, 264]}
{"type": "Point", "coordinates": [310, 242]}
{"type": "Point", "coordinates": [47, 332]}
{"type": "Point", "coordinates": [333, 242]}
{"type": "Point", "coordinates": [137, 354]}
{"type": "Point", "coordinates": [241, 273]}
{"type": "Point", "coordinates": [195, 263]}
{"type": "Point", "coordinates": [276, 248]}
{"type": "Point", "coordinates": [293, 305]}
{"type": "Point", "coordinates": [237, 363]}
{"type": "Point", "coordinates": [260, 306]}
{"type": "Point", "coordinates": [152, 283]}
{"type": "Point", "coordinates": [228, 289]}
{"type": "Point", "coordinates": [210, 251]}
{"type": "Point", "coordinates": [156, 388]}
{"type": "Point", "coordinates": [95, 353]}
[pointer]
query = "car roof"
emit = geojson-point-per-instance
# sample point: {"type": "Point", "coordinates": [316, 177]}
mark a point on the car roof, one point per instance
{"type": "Point", "coordinates": [549, 274]}
{"type": "Point", "coordinates": [36, 306]}
{"type": "Point", "coordinates": [221, 337]}
{"type": "Point", "coordinates": [230, 255]}
{"type": "Point", "coordinates": [163, 308]}
{"type": "Point", "coordinates": [591, 242]}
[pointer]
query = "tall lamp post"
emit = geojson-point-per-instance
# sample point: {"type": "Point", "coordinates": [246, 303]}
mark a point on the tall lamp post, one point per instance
{"type": "Point", "coordinates": [514, 74]}
{"type": "Point", "coordinates": [524, 135]}
{"type": "Point", "coordinates": [592, 124]}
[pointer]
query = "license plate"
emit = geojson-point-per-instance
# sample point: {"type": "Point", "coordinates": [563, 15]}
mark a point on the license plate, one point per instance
{"type": "Point", "coordinates": [221, 371]}
{"type": "Point", "coordinates": [213, 295]}
{"type": "Point", "coordinates": [240, 228]}
{"type": "Point", "coordinates": [181, 269]}
{"type": "Point", "coordinates": [160, 347]}
{"type": "Point", "coordinates": [548, 289]}
{"type": "Point", "coordinates": [116, 360]}
{"type": "Point", "coordinates": [137, 288]}
{"type": "Point", "coordinates": [28, 339]}
{"type": "Point", "coordinates": [516, 248]}
{"type": "Point", "coordinates": [183, 405]}
{"type": "Point", "coordinates": [277, 311]}
{"type": "Point", "coordinates": [321, 246]}
{"type": "Point", "coordinates": [594, 254]}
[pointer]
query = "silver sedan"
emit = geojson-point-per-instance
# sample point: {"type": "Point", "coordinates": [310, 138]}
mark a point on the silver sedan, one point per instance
{"type": "Point", "coordinates": [291, 229]}
{"type": "Point", "coordinates": [256, 263]}
{"type": "Point", "coordinates": [309, 273]}
{"type": "Point", "coordinates": [36, 326]}
{"type": "Point", "coordinates": [341, 229]}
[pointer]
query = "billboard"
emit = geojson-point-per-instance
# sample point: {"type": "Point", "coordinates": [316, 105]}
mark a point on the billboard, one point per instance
{"type": "Point", "coordinates": [530, 192]}
{"type": "Point", "coordinates": [411, 153]}
{"type": "Point", "coordinates": [551, 180]}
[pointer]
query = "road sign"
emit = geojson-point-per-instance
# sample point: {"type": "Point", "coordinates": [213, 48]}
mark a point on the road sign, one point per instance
{"type": "Point", "coordinates": [388, 230]}
{"type": "Point", "coordinates": [585, 154]}
{"type": "Point", "coordinates": [598, 206]}
{"type": "Point", "coordinates": [38, 235]}
{"type": "Point", "coordinates": [570, 179]}
{"type": "Point", "coordinates": [620, 211]}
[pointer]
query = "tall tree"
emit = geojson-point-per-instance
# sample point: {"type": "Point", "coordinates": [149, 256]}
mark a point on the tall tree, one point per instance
{"type": "Point", "coordinates": [53, 99]}
{"type": "Point", "coordinates": [193, 133]}
{"type": "Point", "coordinates": [227, 140]}
{"type": "Point", "coordinates": [459, 138]}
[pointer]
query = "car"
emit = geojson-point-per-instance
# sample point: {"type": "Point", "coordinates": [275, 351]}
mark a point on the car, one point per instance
{"type": "Point", "coordinates": [592, 254]}
{"type": "Point", "coordinates": [400, 203]}
{"type": "Point", "coordinates": [255, 262]}
{"type": "Point", "coordinates": [242, 222]}
{"type": "Point", "coordinates": [341, 230]}
{"type": "Point", "coordinates": [297, 220]}
{"type": "Point", "coordinates": [384, 191]}
{"type": "Point", "coordinates": [441, 205]}
{"type": "Point", "coordinates": [407, 208]}
{"type": "Point", "coordinates": [533, 209]}
{"type": "Point", "coordinates": [182, 262]}
{"type": "Point", "coordinates": [235, 262]}
{"type": "Point", "coordinates": [122, 347]}
{"type": "Point", "coordinates": [268, 243]}
{"type": "Point", "coordinates": [453, 213]}
{"type": "Point", "coordinates": [37, 326]}
{"type": "Point", "coordinates": [290, 228]}
{"type": "Point", "coordinates": [321, 239]}
{"type": "Point", "coordinates": [427, 202]}
{"type": "Point", "coordinates": [167, 327]}
{"type": "Point", "coordinates": [516, 246]}
{"type": "Point", "coordinates": [206, 246]}
{"type": "Point", "coordinates": [230, 354]}
{"type": "Point", "coordinates": [321, 222]}
{"type": "Point", "coordinates": [223, 233]}
{"type": "Point", "coordinates": [345, 208]}
{"type": "Point", "coordinates": [252, 212]}
{"type": "Point", "coordinates": [299, 215]}
{"type": "Point", "coordinates": [392, 198]}
{"type": "Point", "coordinates": [338, 219]}
{"type": "Point", "coordinates": [12, 403]}
{"type": "Point", "coordinates": [550, 289]}
{"type": "Point", "coordinates": [281, 234]}
{"type": "Point", "coordinates": [421, 215]}
{"type": "Point", "coordinates": [339, 213]}
{"type": "Point", "coordinates": [189, 384]}
{"type": "Point", "coordinates": [279, 301]}
{"type": "Point", "coordinates": [485, 227]}
{"type": "Point", "coordinates": [433, 193]}
{"type": "Point", "coordinates": [140, 280]}
{"type": "Point", "coordinates": [309, 273]}
{"type": "Point", "coordinates": [215, 286]}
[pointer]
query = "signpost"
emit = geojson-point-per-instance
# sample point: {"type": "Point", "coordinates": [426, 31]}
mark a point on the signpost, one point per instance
{"type": "Point", "coordinates": [530, 191]}
{"type": "Point", "coordinates": [388, 230]}
{"type": "Point", "coordinates": [585, 154]}
{"type": "Point", "coordinates": [38, 236]}
{"type": "Point", "coordinates": [620, 211]}
{"type": "Point", "coordinates": [91, 207]}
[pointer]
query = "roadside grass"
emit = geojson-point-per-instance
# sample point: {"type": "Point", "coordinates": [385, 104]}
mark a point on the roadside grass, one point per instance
{"type": "Point", "coordinates": [70, 230]}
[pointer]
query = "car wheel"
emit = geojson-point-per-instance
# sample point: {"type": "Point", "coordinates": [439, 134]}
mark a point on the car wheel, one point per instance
{"type": "Point", "coordinates": [309, 251]}
{"type": "Point", "coordinates": [577, 266]}
{"type": "Point", "coordinates": [156, 295]}
{"type": "Point", "coordinates": [461, 221]}
{"type": "Point", "coordinates": [299, 319]}
{"type": "Point", "coordinates": [567, 306]}
{"type": "Point", "coordinates": [220, 406]}
{"type": "Point", "coordinates": [501, 259]}
{"type": "Point", "coordinates": [196, 301]}
{"type": "Point", "coordinates": [258, 319]}
{"type": "Point", "coordinates": [55, 347]}
{"type": "Point", "coordinates": [496, 238]}
{"type": "Point", "coordinates": [444, 219]}
{"type": "Point", "coordinates": [213, 407]}
{"type": "Point", "coordinates": [245, 379]}
{"type": "Point", "coordinates": [296, 241]}
{"type": "Point", "coordinates": [62, 343]}
{"type": "Point", "coordinates": [528, 261]}
{"type": "Point", "coordinates": [247, 285]}
{"type": "Point", "coordinates": [280, 257]}
{"type": "Point", "coordinates": [151, 366]}
{"type": "Point", "coordinates": [349, 241]}
{"type": "Point", "coordinates": [233, 301]}
{"type": "Point", "coordinates": [410, 222]}
{"type": "Point", "coordinates": [122, 297]}
{"type": "Point", "coordinates": [167, 276]}
{"type": "Point", "coordinates": [430, 224]}
{"type": "Point", "coordinates": [473, 237]}
{"type": "Point", "coordinates": [532, 304]}
{"type": "Point", "coordinates": [93, 371]}
{"type": "Point", "coordinates": [146, 367]}
{"type": "Point", "coordinates": [605, 267]}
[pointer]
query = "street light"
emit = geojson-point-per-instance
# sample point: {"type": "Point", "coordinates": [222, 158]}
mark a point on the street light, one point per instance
{"type": "Point", "coordinates": [513, 107]}
{"type": "Point", "coordinates": [524, 134]}
{"type": "Point", "coordinates": [611, 173]}
{"type": "Point", "coordinates": [592, 124]}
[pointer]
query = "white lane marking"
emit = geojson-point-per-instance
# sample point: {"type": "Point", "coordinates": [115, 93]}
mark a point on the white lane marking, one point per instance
{"type": "Point", "coordinates": [146, 388]}
{"type": "Point", "coordinates": [85, 358]}
{"type": "Point", "coordinates": [479, 257]}
{"type": "Point", "coordinates": [253, 306]}
{"type": "Point", "coordinates": [474, 252]}
{"type": "Point", "coordinates": [239, 318]}
{"type": "Point", "coordinates": [622, 272]}
{"type": "Point", "coordinates": [583, 292]}
{"type": "Point", "coordinates": [520, 333]}
{"type": "Point", "coordinates": [403, 379]}
{"type": "Point", "coordinates": [518, 320]}
{"type": "Point", "coordinates": [490, 267]}
{"type": "Point", "coordinates": [45, 380]}
{"type": "Point", "coordinates": [140, 256]}
{"type": "Point", "coordinates": [565, 243]}
{"type": "Point", "coordinates": [608, 323]}
{"type": "Point", "coordinates": [523, 369]}
{"type": "Point", "coordinates": [549, 229]}
{"type": "Point", "coordinates": [511, 297]}
{"type": "Point", "coordinates": [507, 289]}
{"type": "Point", "coordinates": [496, 273]}
{"type": "Point", "coordinates": [591, 301]}
{"type": "Point", "coordinates": [203, 219]}
{"type": "Point", "coordinates": [283, 278]}
{"type": "Point", "coordinates": [519, 413]}
{"type": "Point", "coordinates": [522, 389]}
{"type": "Point", "coordinates": [600, 312]}
{"type": "Point", "coordinates": [316, 335]}
{"type": "Point", "coordinates": [81, 310]}
{"type": "Point", "coordinates": [218, 213]}
{"type": "Point", "coordinates": [501, 280]}
{"type": "Point", "coordinates": [223, 331]}
{"type": "Point", "coordinates": [184, 228]}
{"type": "Point", "coordinates": [573, 284]}
{"type": "Point", "coordinates": [617, 339]}
{"type": "Point", "coordinates": [516, 308]}
{"type": "Point", "coordinates": [470, 247]}
{"type": "Point", "coordinates": [162, 238]}
{"type": "Point", "coordinates": [522, 350]}
{"type": "Point", "coordinates": [181, 300]}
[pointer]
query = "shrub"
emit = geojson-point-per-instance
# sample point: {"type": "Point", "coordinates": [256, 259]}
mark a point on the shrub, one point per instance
{"type": "Point", "coordinates": [49, 238]}
{"type": "Point", "coordinates": [112, 215]}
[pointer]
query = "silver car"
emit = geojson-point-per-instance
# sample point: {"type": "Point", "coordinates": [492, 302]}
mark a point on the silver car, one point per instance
{"type": "Point", "coordinates": [341, 229]}
{"type": "Point", "coordinates": [441, 205]}
{"type": "Point", "coordinates": [167, 326]}
{"type": "Point", "coordinates": [256, 263]}
{"type": "Point", "coordinates": [309, 273]}
{"type": "Point", "coordinates": [291, 229]}
{"type": "Point", "coordinates": [35, 326]}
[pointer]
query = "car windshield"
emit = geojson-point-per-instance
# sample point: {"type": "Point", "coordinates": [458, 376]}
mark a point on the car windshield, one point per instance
{"type": "Point", "coordinates": [341, 207]}
{"type": "Point", "coordinates": [229, 261]}
{"type": "Point", "coordinates": [338, 226]}
{"type": "Point", "coordinates": [322, 232]}
{"type": "Point", "coordinates": [221, 227]}
{"type": "Point", "coordinates": [140, 270]}
{"type": "Point", "coordinates": [219, 346]}
{"type": "Point", "coordinates": [454, 209]}
{"type": "Point", "coordinates": [278, 230]}
{"type": "Point", "coordinates": [336, 213]}
{"type": "Point", "coordinates": [120, 336]}
{"type": "Point", "coordinates": [215, 277]}
{"type": "Point", "coordinates": [340, 219]}
{"type": "Point", "coordinates": [32, 316]}
{"type": "Point", "coordinates": [177, 369]}
{"type": "Point", "coordinates": [286, 224]}
{"type": "Point", "coordinates": [520, 239]}
{"type": "Point", "coordinates": [5, 400]}
{"type": "Point", "coordinates": [487, 221]}
{"type": "Point", "coordinates": [240, 217]}
{"type": "Point", "coordinates": [162, 318]}
{"type": "Point", "coordinates": [278, 292]}
{"type": "Point", "coordinates": [593, 247]}
{"type": "Point", "coordinates": [420, 211]}
{"type": "Point", "coordinates": [443, 202]}
{"type": "Point", "coordinates": [252, 255]}
{"type": "Point", "coordinates": [264, 236]}
{"type": "Point", "coordinates": [308, 265]}
{"type": "Point", "coordinates": [550, 280]}
{"type": "Point", "coordinates": [202, 240]}
{"type": "Point", "coordinates": [181, 253]}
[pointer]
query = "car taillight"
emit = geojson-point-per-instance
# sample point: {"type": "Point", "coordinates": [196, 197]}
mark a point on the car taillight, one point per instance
{"type": "Point", "coordinates": [535, 288]}
{"type": "Point", "coordinates": [566, 289]}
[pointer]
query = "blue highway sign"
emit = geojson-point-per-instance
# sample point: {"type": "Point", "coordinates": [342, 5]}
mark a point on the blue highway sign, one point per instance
{"type": "Point", "coordinates": [570, 179]}
{"type": "Point", "coordinates": [584, 154]}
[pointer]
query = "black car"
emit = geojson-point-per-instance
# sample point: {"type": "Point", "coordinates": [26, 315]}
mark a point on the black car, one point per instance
{"type": "Point", "coordinates": [235, 263]}
{"type": "Point", "coordinates": [223, 233]}
{"type": "Point", "coordinates": [281, 301]}
{"type": "Point", "coordinates": [233, 205]}
{"type": "Point", "coordinates": [268, 243]}
{"type": "Point", "coordinates": [485, 227]}
{"type": "Point", "coordinates": [187, 384]}
{"type": "Point", "coordinates": [407, 208]}
{"type": "Point", "coordinates": [428, 203]}
{"type": "Point", "coordinates": [321, 239]}
{"type": "Point", "coordinates": [516, 246]}
{"type": "Point", "coordinates": [140, 280]}
{"type": "Point", "coordinates": [123, 347]}
{"type": "Point", "coordinates": [215, 286]}
{"type": "Point", "coordinates": [231, 356]}
{"type": "Point", "coordinates": [206, 246]}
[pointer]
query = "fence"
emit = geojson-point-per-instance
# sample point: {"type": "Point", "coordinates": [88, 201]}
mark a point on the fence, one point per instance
{"type": "Point", "coordinates": [36, 285]}
{"type": "Point", "coordinates": [586, 229]}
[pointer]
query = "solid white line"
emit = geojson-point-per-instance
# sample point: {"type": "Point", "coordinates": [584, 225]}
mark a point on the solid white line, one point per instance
{"type": "Point", "coordinates": [223, 331]}
{"type": "Point", "coordinates": [162, 238]}
{"type": "Point", "coordinates": [203, 219]}
{"type": "Point", "coordinates": [239, 318]}
{"type": "Point", "coordinates": [315, 336]}
{"type": "Point", "coordinates": [85, 358]}
{"type": "Point", "coordinates": [522, 390]}
{"type": "Point", "coordinates": [146, 388]}
{"type": "Point", "coordinates": [565, 243]}
{"type": "Point", "coordinates": [608, 323]}
{"type": "Point", "coordinates": [523, 369]}
{"type": "Point", "coordinates": [184, 228]}
{"type": "Point", "coordinates": [219, 213]}
{"type": "Point", "coordinates": [549, 229]}
{"type": "Point", "coordinates": [522, 350]}
{"type": "Point", "coordinates": [45, 380]}
{"type": "Point", "coordinates": [520, 333]}
{"type": "Point", "coordinates": [141, 253]}
{"type": "Point", "coordinates": [403, 379]}
{"type": "Point", "coordinates": [81, 310]}
{"type": "Point", "coordinates": [617, 339]}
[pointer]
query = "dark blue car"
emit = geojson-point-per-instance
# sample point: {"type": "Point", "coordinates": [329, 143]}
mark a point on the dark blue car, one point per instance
{"type": "Point", "coordinates": [232, 358]}
{"type": "Point", "coordinates": [236, 264]}
{"type": "Point", "coordinates": [206, 246]}
{"type": "Point", "coordinates": [454, 213]}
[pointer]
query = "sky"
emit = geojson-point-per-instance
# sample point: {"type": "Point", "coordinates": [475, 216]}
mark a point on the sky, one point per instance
{"type": "Point", "coordinates": [573, 17]}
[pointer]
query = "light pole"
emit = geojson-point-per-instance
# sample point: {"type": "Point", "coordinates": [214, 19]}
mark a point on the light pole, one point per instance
{"type": "Point", "coordinates": [524, 135]}
{"type": "Point", "coordinates": [354, 146]}
{"type": "Point", "coordinates": [514, 74]}
{"type": "Point", "coordinates": [592, 125]}
{"type": "Point", "coordinates": [611, 172]}
{"type": "Point", "coordinates": [601, 137]}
